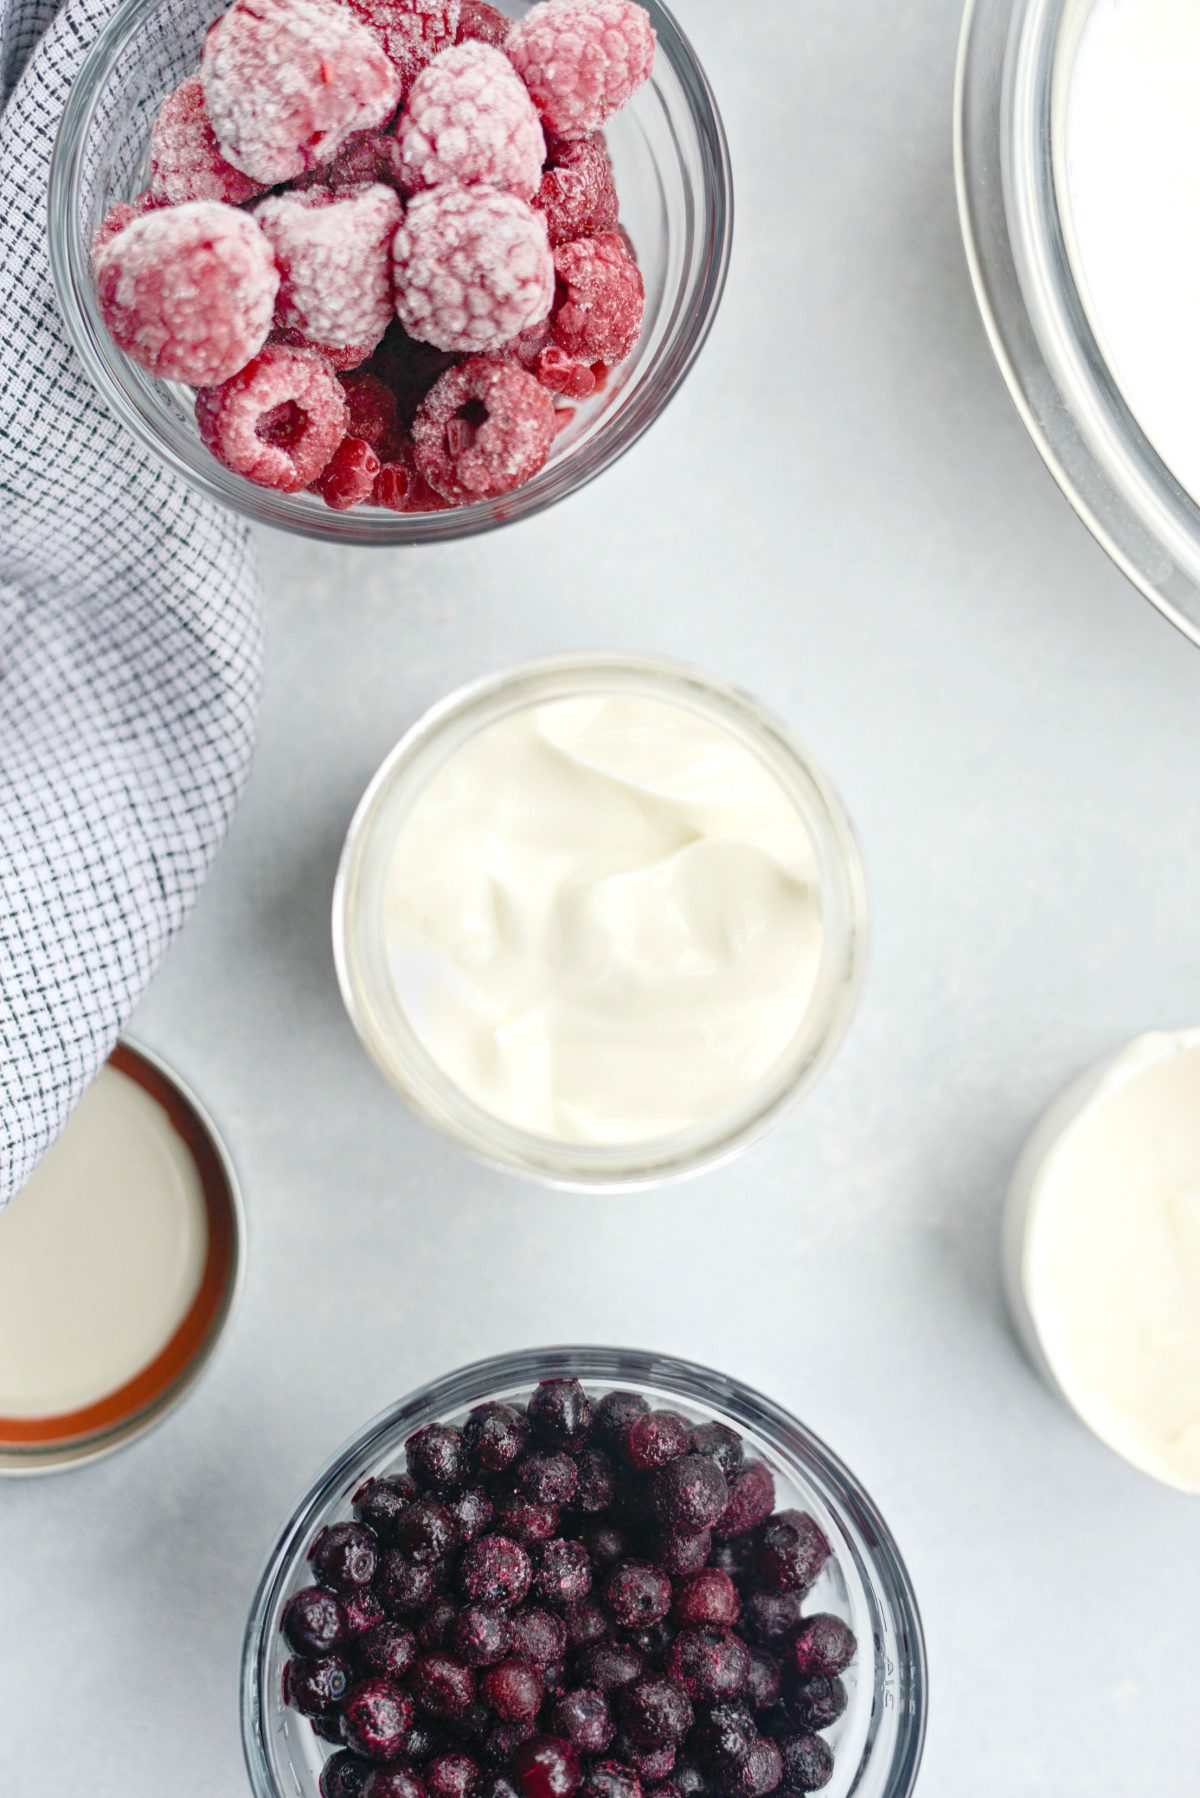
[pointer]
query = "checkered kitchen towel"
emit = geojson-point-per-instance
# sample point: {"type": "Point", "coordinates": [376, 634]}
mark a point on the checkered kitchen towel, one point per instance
{"type": "Point", "coordinates": [129, 655]}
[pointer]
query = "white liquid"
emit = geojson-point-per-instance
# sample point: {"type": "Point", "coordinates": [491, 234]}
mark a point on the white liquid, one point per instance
{"type": "Point", "coordinates": [603, 920]}
{"type": "Point", "coordinates": [1112, 1256]}
{"type": "Point", "coordinates": [1133, 176]}
{"type": "Point", "coordinates": [101, 1255]}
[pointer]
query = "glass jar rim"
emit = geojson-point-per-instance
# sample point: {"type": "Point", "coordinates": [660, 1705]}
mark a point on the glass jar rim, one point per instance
{"type": "Point", "coordinates": [409, 1067]}
{"type": "Point", "coordinates": [901, 1690]}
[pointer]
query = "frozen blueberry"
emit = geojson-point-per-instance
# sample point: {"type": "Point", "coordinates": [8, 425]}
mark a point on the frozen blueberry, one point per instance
{"type": "Point", "coordinates": [709, 1596]}
{"type": "Point", "coordinates": [426, 1531]}
{"type": "Point", "coordinates": [655, 1713]}
{"type": "Point", "coordinates": [652, 1764]}
{"type": "Point", "coordinates": [537, 1635]}
{"type": "Point", "coordinates": [548, 1479]}
{"type": "Point", "coordinates": [824, 1646]}
{"type": "Point", "coordinates": [496, 1436]}
{"type": "Point", "coordinates": [764, 1680]}
{"type": "Point", "coordinates": [653, 1643]}
{"type": "Point", "coordinates": [363, 1612]}
{"type": "Point", "coordinates": [758, 1772]}
{"type": "Point", "coordinates": [437, 1457]}
{"type": "Point", "coordinates": [387, 1651]}
{"type": "Point", "coordinates": [664, 1788]}
{"type": "Point", "coordinates": [481, 1635]}
{"type": "Point", "coordinates": [725, 1736]}
{"type": "Point", "coordinates": [586, 1623]}
{"type": "Point", "coordinates": [345, 1556]}
{"type": "Point", "coordinates": [564, 1573]}
{"type": "Point", "coordinates": [807, 1762]}
{"type": "Point", "coordinates": [614, 1414]}
{"type": "Point", "coordinates": [654, 1439]}
{"type": "Point", "coordinates": [637, 1594]}
{"type": "Point", "coordinates": [595, 1482]}
{"type": "Point", "coordinates": [393, 1782]}
{"type": "Point", "coordinates": [452, 1775]}
{"type": "Point", "coordinates": [709, 1664]}
{"type": "Point", "coordinates": [501, 1786]}
{"type": "Point", "coordinates": [815, 1703]}
{"type": "Point", "coordinates": [344, 1776]}
{"type": "Point", "coordinates": [605, 1541]}
{"type": "Point", "coordinates": [608, 1666]}
{"type": "Point", "coordinates": [472, 1511]}
{"type": "Point", "coordinates": [734, 1555]}
{"type": "Point", "coordinates": [770, 1617]}
{"type": "Point", "coordinates": [442, 1685]}
{"type": "Point", "coordinates": [379, 1503]}
{"type": "Point", "coordinates": [316, 1686]}
{"type": "Point", "coordinates": [791, 1551]}
{"type": "Point", "coordinates": [751, 1501]}
{"type": "Point", "coordinates": [496, 1571]}
{"type": "Point", "coordinates": [525, 1520]}
{"type": "Point", "coordinates": [560, 1414]}
{"type": "Point", "coordinates": [421, 1743]}
{"type": "Point", "coordinates": [436, 1626]}
{"type": "Point", "coordinates": [584, 1717]}
{"type": "Point", "coordinates": [681, 1555]}
{"type": "Point", "coordinates": [689, 1494]}
{"type": "Point", "coordinates": [375, 1718]}
{"type": "Point", "coordinates": [314, 1621]}
{"type": "Point", "coordinates": [723, 1444]}
{"type": "Point", "coordinates": [513, 1689]}
{"type": "Point", "coordinates": [405, 1588]}
{"type": "Point", "coordinates": [547, 1767]}
{"type": "Point", "coordinates": [690, 1780]}
{"type": "Point", "coordinates": [610, 1779]}
{"type": "Point", "coordinates": [503, 1739]}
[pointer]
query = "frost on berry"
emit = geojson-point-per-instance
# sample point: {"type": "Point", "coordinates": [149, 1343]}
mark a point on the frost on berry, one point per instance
{"type": "Point", "coordinates": [601, 299]}
{"type": "Point", "coordinates": [286, 82]}
{"type": "Point", "coordinates": [277, 421]}
{"type": "Point", "coordinates": [120, 215]}
{"type": "Point", "coordinates": [412, 32]}
{"type": "Point", "coordinates": [582, 60]}
{"type": "Point", "coordinates": [185, 160]}
{"type": "Point", "coordinates": [484, 22]}
{"type": "Point", "coordinates": [333, 252]}
{"type": "Point", "coordinates": [578, 194]}
{"type": "Point", "coordinates": [485, 428]}
{"type": "Point", "coordinates": [472, 268]}
{"type": "Point", "coordinates": [469, 120]}
{"type": "Point", "coordinates": [188, 291]}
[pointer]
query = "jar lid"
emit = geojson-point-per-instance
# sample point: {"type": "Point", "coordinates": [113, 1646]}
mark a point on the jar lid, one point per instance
{"type": "Point", "coordinates": [119, 1264]}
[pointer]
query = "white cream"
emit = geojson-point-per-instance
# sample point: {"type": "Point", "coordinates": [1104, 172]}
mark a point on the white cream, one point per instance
{"type": "Point", "coordinates": [101, 1254]}
{"type": "Point", "coordinates": [603, 920]}
{"type": "Point", "coordinates": [1133, 179]}
{"type": "Point", "coordinates": [1105, 1250]}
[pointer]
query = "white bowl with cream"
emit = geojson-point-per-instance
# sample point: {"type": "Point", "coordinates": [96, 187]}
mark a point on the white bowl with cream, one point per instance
{"type": "Point", "coordinates": [1102, 1253]}
{"type": "Point", "coordinates": [600, 919]}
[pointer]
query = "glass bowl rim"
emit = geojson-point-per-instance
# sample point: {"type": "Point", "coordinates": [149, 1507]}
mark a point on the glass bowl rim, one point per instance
{"type": "Point", "coordinates": [839, 1488]}
{"type": "Point", "coordinates": [1037, 322]}
{"type": "Point", "coordinates": [435, 1098]}
{"type": "Point", "coordinates": [70, 263]}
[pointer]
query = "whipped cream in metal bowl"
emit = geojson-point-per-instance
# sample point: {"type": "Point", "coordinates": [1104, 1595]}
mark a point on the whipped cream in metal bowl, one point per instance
{"type": "Point", "coordinates": [608, 905]}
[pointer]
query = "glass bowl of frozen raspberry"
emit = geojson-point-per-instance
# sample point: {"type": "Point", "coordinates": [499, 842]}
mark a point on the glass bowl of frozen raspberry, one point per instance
{"type": "Point", "coordinates": [257, 284]}
{"type": "Point", "coordinates": [584, 1573]}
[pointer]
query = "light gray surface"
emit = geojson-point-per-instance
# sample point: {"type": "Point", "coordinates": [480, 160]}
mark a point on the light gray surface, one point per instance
{"type": "Point", "coordinates": [842, 513]}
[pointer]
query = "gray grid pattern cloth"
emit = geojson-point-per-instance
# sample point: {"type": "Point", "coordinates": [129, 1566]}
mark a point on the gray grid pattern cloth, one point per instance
{"type": "Point", "coordinates": [130, 654]}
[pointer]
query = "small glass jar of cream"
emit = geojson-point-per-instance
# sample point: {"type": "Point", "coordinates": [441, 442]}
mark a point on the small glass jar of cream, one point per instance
{"type": "Point", "coordinates": [600, 919]}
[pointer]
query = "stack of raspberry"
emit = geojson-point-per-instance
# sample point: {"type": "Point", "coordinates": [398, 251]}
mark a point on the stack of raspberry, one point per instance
{"type": "Point", "coordinates": [381, 239]}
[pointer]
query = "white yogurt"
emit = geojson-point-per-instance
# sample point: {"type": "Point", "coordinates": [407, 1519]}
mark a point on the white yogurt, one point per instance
{"type": "Point", "coordinates": [101, 1254]}
{"type": "Point", "coordinates": [603, 919]}
{"type": "Point", "coordinates": [1104, 1252]}
{"type": "Point", "coordinates": [1133, 178]}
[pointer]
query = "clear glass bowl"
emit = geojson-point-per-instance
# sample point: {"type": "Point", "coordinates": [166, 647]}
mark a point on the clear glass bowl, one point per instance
{"type": "Point", "coordinates": [360, 947]}
{"type": "Point", "coordinates": [1015, 60]}
{"type": "Point", "coordinates": [877, 1741]}
{"type": "Point", "coordinates": [672, 167]}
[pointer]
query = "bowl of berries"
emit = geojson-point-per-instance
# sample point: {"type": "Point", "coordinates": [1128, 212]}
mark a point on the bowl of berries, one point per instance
{"type": "Point", "coordinates": [389, 271]}
{"type": "Point", "coordinates": [584, 1573]}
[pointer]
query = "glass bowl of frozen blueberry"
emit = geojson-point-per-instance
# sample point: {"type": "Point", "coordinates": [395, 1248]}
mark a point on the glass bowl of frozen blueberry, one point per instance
{"type": "Point", "coordinates": [389, 271]}
{"type": "Point", "coordinates": [584, 1573]}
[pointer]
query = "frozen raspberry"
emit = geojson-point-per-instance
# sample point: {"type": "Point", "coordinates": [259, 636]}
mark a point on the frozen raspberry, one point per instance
{"type": "Point", "coordinates": [188, 291]}
{"type": "Point", "coordinates": [601, 300]}
{"type": "Point", "coordinates": [582, 60]}
{"type": "Point", "coordinates": [333, 252]}
{"type": "Point", "coordinates": [340, 357]}
{"type": "Point", "coordinates": [578, 193]}
{"type": "Point", "coordinates": [481, 21]}
{"type": "Point", "coordinates": [468, 120]}
{"type": "Point", "coordinates": [365, 157]}
{"type": "Point", "coordinates": [286, 82]}
{"type": "Point", "coordinates": [373, 414]}
{"type": "Point", "coordinates": [483, 429]}
{"type": "Point", "coordinates": [412, 32]}
{"type": "Point", "coordinates": [347, 481]}
{"type": "Point", "coordinates": [399, 488]}
{"type": "Point", "coordinates": [278, 421]}
{"type": "Point", "coordinates": [120, 215]}
{"type": "Point", "coordinates": [472, 268]}
{"type": "Point", "coordinates": [185, 161]}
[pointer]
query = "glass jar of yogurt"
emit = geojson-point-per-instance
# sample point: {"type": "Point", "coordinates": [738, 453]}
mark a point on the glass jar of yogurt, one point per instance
{"type": "Point", "coordinates": [600, 919]}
